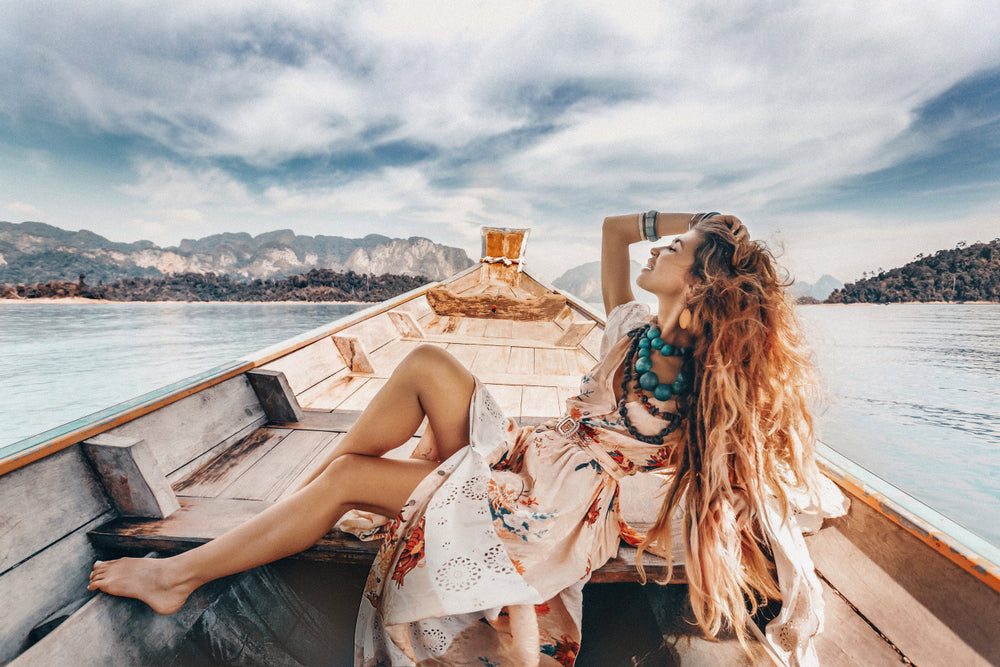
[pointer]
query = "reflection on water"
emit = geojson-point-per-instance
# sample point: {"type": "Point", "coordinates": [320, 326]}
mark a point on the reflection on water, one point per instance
{"type": "Point", "coordinates": [914, 396]}
{"type": "Point", "coordinates": [913, 391]}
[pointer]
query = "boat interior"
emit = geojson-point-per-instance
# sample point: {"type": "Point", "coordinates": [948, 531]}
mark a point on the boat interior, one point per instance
{"type": "Point", "coordinates": [178, 467]}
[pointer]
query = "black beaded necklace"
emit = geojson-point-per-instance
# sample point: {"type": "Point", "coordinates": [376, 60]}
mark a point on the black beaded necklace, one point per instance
{"type": "Point", "coordinates": [646, 340]}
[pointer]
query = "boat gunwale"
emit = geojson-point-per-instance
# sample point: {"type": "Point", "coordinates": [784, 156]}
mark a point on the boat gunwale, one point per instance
{"type": "Point", "coordinates": [958, 544]}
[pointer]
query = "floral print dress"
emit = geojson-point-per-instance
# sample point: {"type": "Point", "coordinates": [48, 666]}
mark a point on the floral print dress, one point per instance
{"type": "Point", "coordinates": [486, 562]}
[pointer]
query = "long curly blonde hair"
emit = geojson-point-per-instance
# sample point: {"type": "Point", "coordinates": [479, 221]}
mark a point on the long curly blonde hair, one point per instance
{"type": "Point", "coordinates": [749, 429]}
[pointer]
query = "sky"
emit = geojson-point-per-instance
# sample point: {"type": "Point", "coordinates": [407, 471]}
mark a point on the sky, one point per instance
{"type": "Point", "coordinates": [849, 135]}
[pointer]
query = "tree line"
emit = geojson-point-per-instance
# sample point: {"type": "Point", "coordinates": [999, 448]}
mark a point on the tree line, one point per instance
{"type": "Point", "coordinates": [316, 285]}
{"type": "Point", "coordinates": [964, 273]}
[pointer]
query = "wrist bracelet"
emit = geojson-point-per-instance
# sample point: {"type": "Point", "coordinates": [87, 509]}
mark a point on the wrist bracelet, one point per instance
{"type": "Point", "coordinates": [649, 226]}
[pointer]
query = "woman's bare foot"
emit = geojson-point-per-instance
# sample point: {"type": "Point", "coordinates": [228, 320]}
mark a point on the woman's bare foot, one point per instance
{"type": "Point", "coordinates": [148, 579]}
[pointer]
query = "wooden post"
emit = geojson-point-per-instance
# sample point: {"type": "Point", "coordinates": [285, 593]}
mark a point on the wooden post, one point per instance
{"type": "Point", "coordinates": [275, 396]}
{"type": "Point", "coordinates": [354, 354]}
{"type": "Point", "coordinates": [405, 324]}
{"type": "Point", "coordinates": [131, 476]}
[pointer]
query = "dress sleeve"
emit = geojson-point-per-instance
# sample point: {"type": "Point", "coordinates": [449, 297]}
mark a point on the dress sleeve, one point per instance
{"type": "Point", "coordinates": [622, 319]}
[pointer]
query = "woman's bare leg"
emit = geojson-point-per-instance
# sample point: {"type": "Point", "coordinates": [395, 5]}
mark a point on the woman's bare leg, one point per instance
{"type": "Point", "coordinates": [425, 383]}
{"type": "Point", "coordinates": [429, 381]}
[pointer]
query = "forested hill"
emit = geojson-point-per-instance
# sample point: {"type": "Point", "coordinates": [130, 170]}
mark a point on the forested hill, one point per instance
{"type": "Point", "coordinates": [316, 285]}
{"type": "Point", "coordinates": [965, 273]}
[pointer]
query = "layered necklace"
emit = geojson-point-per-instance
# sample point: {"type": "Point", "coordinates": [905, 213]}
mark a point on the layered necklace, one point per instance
{"type": "Point", "coordinates": [645, 342]}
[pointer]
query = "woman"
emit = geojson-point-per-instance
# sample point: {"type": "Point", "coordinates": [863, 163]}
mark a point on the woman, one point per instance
{"type": "Point", "coordinates": [496, 532]}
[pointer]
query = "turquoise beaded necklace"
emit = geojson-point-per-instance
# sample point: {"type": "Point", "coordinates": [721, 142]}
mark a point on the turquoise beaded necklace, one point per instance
{"type": "Point", "coordinates": [649, 342]}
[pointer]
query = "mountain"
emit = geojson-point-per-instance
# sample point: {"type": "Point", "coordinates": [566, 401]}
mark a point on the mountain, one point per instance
{"type": "Point", "coordinates": [584, 281]}
{"type": "Point", "coordinates": [32, 252]}
{"type": "Point", "coordinates": [819, 291]}
{"type": "Point", "coordinates": [964, 273]}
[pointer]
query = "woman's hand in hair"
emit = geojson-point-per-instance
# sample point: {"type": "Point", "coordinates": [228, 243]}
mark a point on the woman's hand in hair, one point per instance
{"type": "Point", "coordinates": [735, 225]}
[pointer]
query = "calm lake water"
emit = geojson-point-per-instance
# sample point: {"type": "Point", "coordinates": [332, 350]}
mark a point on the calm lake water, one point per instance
{"type": "Point", "coordinates": [913, 391]}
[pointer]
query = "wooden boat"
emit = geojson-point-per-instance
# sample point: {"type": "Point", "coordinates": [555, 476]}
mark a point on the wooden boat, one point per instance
{"type": "Point", "coordinates": [176, 467]}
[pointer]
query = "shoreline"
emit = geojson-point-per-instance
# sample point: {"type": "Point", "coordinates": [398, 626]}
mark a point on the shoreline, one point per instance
{"type": "Point", "coordinates": [79, 300]}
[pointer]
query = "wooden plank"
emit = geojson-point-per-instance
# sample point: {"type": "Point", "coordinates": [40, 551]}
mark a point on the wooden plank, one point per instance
{"type": "Point", "coordinates": [554, 362]}
{"type": "Point", "coordinates": [224, 468]}
{"type": "Point", "coordinates": [359, 400]}
{"type": "Point", "coordinates": [847, 640]}
{"type": "Point", "coordinates": [374, 333]}
{"type": "Point", "coordinates": [183, 430]}
{"type": "Point", "coordinates": [131, 476]}
{"type": "Point", "coordinates": [330, 393]}
{"type": "Point", "coordinates": [499, 329]}
{"type": "Point", "coordinates": [202, 519]}
{"type": "Point", "coordinates": [321, 420]}
{"type": "Point", "coordinates": [44, 502]}
{"type": "Point", "coordinates": [309, 365]}
{"type": "Point", "coordinates": [406, 324]}
{"type": "Point", "coordinates": [43, 584]}
{"type": "Point", "coordinates": [491, 358]}
{"type": "Point", "coordinates": [508, 397]}
{"type": "Point", "coordinates": [521, 360]}
{"type": "Point", "coordinates": [110, 630]}
{"type": "Point", "coordinates": [275, 395]}
{"type": "Point", "coordinates": [545, 333]}
{"type": "Point", "coordinates": [583, 361]}
{"type": "Point", "coordinates": [353, 353]}
{"type": "Point", "coordinates": [465, 353]}
{"type": "Point", "coordinates": [299, 478]}
{"type": "Point", "coordinates": [488, 340]}
{"type": "Point", "coordinates": [575, 333]}
{"type": "Point", "coordinates": [545, 307]}
{"type": "Point", "coordinates": [273, 472]}
{"type": "Point", "coordinates": [622, 568]}
{"type": "Point", "coordinates": [592, 342]}
{"type": "Point", "coordinates": [569, 381]}
{"type": "Point", "coordinates": [389, 356]}
{"type": "Point", "coordinates": [930, 608]}
{"type": "Point", "coordinates": [211, 453]}
{"type": "Point", "coordinates": [419, 308]}
{"type": "Point", "coordinates": [540, 402]}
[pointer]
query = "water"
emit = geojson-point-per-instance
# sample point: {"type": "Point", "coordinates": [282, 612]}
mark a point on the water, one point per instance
{"type": "Point", "coordinates": [59, 362]}
{"type": "Point", "coordinates": [913, 391]}
{"type": "Point", "coordinates": [913, 395]}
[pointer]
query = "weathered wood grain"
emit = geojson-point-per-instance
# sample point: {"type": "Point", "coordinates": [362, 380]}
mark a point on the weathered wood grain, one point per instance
{"type": "Point", "coordinates": [46, 501]}
{"type": "Point", "coordinates": [359, 400]}
{"type": "Point", "coordinates": [117, 631]}
{"type": "Point", "coordinates": [499, 329]}
{"type": "Point", "coordinates": [847, 640]}
{"type": "Point", "coordinates": [541, 308]}
{"type": "Point", "coordinates": [406, 324]}
{"type": "Point", "coordinates": [42, 584]}
{"type": "Point", "coordinates": [321, 420]}
{"type": "Point", "coordinates": [309, 365]}
{"type": "Point", "coordinates": [521, 360]}
{"type": "Point", "coordinates": [555, 362]}
{"type": "Point", "coordinates": [271, 474]}
{"type": "Point", "coordinates": [592, 342]}
{"type": "Point", "coordinates": [211, 479]}
{"type": "Point", "coordinates": [183, 430]}
{"type": "Point", "coordinates": [491, 357]}
{"type": "Point", "coordinates": [275, 395]}
{"type": "Point", "coordinates": [465, 353]}
{"type": "Point", "coordinates": [575, 333]}
{"type": "Point", "coordinates": [374, 333]}
{"type": "Point", "coordinates": [333, 391]}
{"type": "Point", "coordinates": [131, 476]}
{"type": "Point", "coordinates": [932, 610]}
{"type": "Point", "coordinates": [353, 354]}
{"type": "Point", "coordinates": [389, 356]}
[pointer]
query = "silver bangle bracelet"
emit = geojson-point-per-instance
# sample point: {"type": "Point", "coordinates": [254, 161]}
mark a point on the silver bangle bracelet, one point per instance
{"type": "Point", "coordinates": [649, 226]}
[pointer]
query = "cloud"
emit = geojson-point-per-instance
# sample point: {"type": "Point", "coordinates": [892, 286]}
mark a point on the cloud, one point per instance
{"type": "Point", "coordinates": [23, 210]}
{"type": "Point", "coordinates": [406, 117]}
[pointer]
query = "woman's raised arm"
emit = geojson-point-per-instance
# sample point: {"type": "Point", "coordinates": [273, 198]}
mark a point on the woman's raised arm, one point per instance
{"type": "Point", "coordinates": [621, 231]}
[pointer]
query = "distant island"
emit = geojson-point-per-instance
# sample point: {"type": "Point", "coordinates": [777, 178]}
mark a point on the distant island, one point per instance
{"type": "Point", "coordinates": [316, 285]}
{"type": "Point", "coordinates": [963, 274]}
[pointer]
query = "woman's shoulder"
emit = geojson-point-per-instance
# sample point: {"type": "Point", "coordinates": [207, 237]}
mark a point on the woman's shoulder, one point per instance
{"type": "Point", "coordinates": [623, 318]}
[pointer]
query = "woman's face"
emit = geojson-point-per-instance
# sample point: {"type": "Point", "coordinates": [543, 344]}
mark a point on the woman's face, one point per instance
{"type": "Point", "coordinates": [668, 271]}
